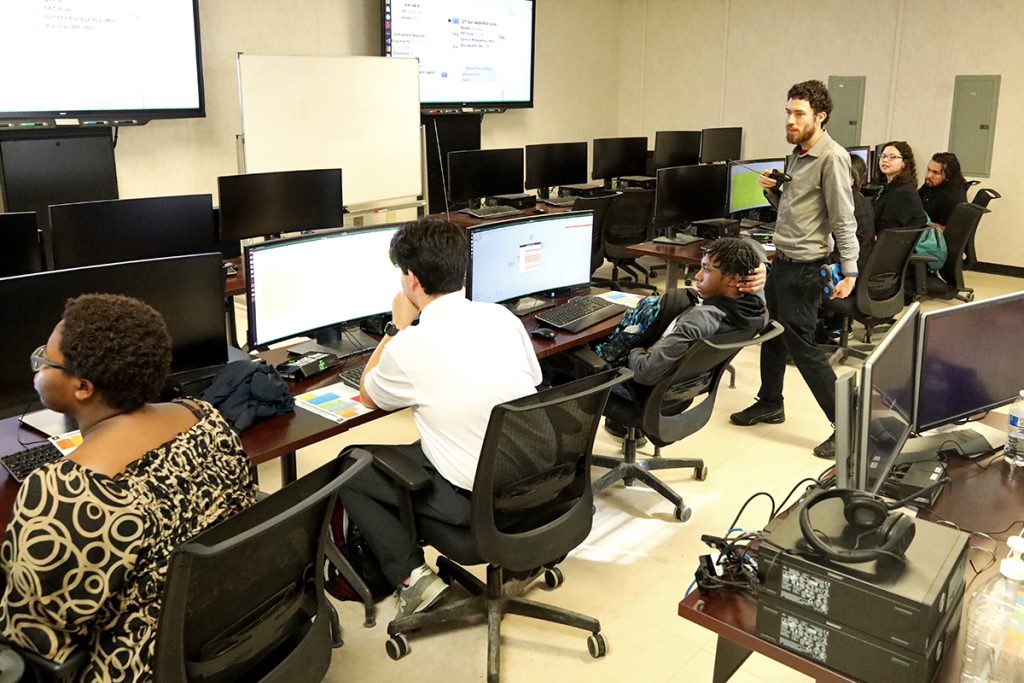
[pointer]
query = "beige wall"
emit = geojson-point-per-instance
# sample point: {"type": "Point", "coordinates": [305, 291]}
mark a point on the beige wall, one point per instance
{"type": "Point", "coordinates": [632, 67]}
{"type": "Point", "coordinates": [729, 62]}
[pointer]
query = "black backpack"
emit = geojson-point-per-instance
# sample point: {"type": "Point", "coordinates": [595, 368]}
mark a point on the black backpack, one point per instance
{"type": "Point", "coordinates": [644, 324]}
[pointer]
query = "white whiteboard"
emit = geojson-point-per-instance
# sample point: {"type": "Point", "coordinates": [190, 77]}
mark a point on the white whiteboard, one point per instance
{"type": "Point", "coordinates": [361, 114]}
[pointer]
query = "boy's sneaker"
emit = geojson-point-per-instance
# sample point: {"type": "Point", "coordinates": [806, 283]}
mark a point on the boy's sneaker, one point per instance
{"type": "Point", "coordinates": [827, 448]}
{"type": "Point", "coordinates": [759, 412]}
{"type": "Point", "coordinates": [424, 588]}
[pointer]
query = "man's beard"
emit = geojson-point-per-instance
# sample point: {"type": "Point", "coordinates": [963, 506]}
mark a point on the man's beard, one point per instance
{"type": "Point", "coordinates": [799, 137]}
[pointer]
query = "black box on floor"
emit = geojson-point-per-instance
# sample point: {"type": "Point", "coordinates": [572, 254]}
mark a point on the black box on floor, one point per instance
{"type": "Point", "coordinates": [522, 200]}
{"type": "Point", "coordinates": [853, 652]}
{"type": "Point", "coordinates": [713, 228]}
{"type": "Point", "coordinates": [901, 604]}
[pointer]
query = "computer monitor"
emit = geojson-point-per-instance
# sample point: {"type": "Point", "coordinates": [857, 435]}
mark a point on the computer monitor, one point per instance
{"type": "Point", "coordinates": [22, 251]}
{"type": "Point", "coordinates": [689, 193]}
{"type": "Point", "coordinates": [970, 360]}
{"type": "Point", "coordinates": [864, 152]}
{"type": "Point", "coordinates": [676, 148]}
{"type": "Point", "coordinates": [616, 157]}
{"type": "Point", "coordinates": [744, 191]}
{"type": "Point", "coordinates": [91, 233]}
{"type": "Point", "coordinates": [473, 174]}
{"type": "Point", "coordinates": [320, 282]}
{"type": "Point", "coordinates": [720, 144]}
{"type": "Point", "coordinates": [886, 402]}
{"type": "Point", "coordinates": [547, 166]}
{"type": "Point", "coordinates": [540, 255]}
{"type": "Point", "coordinates": [187, 290]}
{"type": "Point", "coordinates": [263, 204]}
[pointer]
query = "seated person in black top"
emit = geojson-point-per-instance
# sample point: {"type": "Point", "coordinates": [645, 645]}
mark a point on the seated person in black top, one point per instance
{"type": "Point", "coordinates": [898, 205]}
{"type": "Point", "coordinates": [862, 211]}
{"type": "Point", "coordinates": [944, 187]}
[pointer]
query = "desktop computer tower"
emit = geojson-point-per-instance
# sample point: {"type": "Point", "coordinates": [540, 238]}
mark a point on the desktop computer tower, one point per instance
{"type": "Point", "coordinates": [583, 190]}
{"type": "Point", "coordinates": [641, 182]}
{"type": "Point", "coordinates": [713, 228]}
{"type": "Point", "coordinates": [521, 200]}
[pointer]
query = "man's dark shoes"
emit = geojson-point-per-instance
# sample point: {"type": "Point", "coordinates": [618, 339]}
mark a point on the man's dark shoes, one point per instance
{"type": "Point", "coordinates": [827, 448]}
{"type": "Point", "coordinates": [759, 412]}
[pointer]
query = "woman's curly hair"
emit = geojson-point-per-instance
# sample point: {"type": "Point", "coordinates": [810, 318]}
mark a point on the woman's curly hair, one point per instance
{"type": "Point", "coordinates": [118, 343]}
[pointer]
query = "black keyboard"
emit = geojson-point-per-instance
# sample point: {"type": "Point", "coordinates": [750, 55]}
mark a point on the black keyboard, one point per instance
{"type": "Point", "coordinates": [492, 212]}
{"type": "Point", "coordinates": [23, 463]}
{"type": "Point", "coordinates": [580, 313]}
{"type": "Point", "coordinates": [352, 375]}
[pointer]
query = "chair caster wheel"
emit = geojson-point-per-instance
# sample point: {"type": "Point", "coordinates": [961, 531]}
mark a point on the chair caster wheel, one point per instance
{"type": "Point", "coordinates": [683, 513]}
{"type": "Point", "coordinates": [627, 481]}
{"type": "Point", "coordinates": [597, 645]}
{"type": "Point", "coordinates": [701, 473]}
{"type": "Point", "coordinates": [397, 646]}
{"type": "Point", "coordinates": [553, 577]}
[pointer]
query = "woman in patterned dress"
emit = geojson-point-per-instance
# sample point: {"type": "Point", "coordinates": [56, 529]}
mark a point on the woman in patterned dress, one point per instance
{"type": "Point", "coordinates": [85, 554]}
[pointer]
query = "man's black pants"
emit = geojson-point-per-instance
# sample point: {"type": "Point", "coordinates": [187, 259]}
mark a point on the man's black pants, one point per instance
{"type": "Point", "coordinates": [372, 505]}
{"type": "Point", "coordinates": [793, 294]}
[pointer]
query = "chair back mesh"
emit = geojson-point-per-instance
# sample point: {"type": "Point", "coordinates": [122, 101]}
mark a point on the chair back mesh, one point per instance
{"type": "Point", "coordinates": [961, 227]}
{"type": "Point", "coordinates": [531, 497]}
{"type": "Point", "coordinates": [879, 292]}
{"type": "Point", "coordinates": [628, 221]}
{"type": "Point", "coordinates": [242, 596]}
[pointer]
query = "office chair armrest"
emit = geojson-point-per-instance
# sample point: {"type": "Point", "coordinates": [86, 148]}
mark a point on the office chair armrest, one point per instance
{"type": "Point", "coordinates": [774, 329]}
{"type": "Point", "coordinates": [922, 258]}
{"type": "Point", "coordinates": [404, 472]}
{"type": "Point", "coordinates": [588, 360]}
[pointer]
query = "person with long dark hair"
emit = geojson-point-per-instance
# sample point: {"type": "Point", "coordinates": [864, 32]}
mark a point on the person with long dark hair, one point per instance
{"type": "Point", "coordinates": [898, 205]}
{"type": "Point", "coordinates": [944, 187]}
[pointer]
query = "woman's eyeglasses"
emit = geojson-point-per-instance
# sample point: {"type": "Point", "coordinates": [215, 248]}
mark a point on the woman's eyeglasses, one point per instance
{"type": "Point", "coordinates": [39, 360]}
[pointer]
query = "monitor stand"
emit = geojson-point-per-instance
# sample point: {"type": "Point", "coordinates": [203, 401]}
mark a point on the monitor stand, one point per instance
{"type": "Point", "coordinates": [346, 342]}
{"type": "Point", "coordinates": [966, 442]}
{"type": "Point", "coordinates": [525, 305]}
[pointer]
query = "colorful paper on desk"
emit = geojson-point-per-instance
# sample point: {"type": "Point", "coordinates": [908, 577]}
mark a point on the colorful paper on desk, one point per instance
{"type": "Point", "coordinates": [66, 443]}
{"type": "Point", "coordinates": [622, 298]}
{"type": "Point", "coordinates": [336, 402]}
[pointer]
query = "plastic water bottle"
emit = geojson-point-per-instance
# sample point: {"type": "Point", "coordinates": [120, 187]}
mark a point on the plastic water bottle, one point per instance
{"type": "Point", "coordinates": [995, 624]}
{"type": "Point", "coordinates": [1013, 452]}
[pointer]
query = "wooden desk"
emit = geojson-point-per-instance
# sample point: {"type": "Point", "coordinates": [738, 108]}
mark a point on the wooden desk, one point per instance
{"type": "Point", "coordinates": [978, 499]}
{"type": "Point", "coordinates": [464, 220]}
{"type": "Point", "coordinates": [673, 254]}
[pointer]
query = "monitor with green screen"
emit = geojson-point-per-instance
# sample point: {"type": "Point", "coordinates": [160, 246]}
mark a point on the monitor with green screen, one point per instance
{"type": "Point", "coordinates": [744, 191]}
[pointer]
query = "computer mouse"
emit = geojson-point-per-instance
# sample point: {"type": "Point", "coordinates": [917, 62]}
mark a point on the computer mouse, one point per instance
{"type": "Point", "coordinates": [540, 210]}
{"type": "Point", "coordinates": [544, 333]}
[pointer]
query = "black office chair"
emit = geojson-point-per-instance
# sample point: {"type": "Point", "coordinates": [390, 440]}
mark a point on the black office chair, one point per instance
{"type": "Point", "coordinates": [880, 291]}
{"type": "Point", "coordinates": [599, 205]}
{"type": "Point", "coordinates": [665, 413]}
{"type": "Point", "coordinates": [22, 251]}
{"type": "Point", "coordinates": [982, 197]}
{"type": "Point", "coordinates": [531, 505]}
{"type": "Point", "coordinates": [628, 222]}
{"type": "Point", "coordinates": [245, 599]}
{"type": "Point", "coordinates": [949, 282]}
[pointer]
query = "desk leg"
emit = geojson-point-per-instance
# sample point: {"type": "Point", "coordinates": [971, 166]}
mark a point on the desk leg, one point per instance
{"type": "Point", "coordinates": [289, 472]}
{"type": "Point", "coordinates": [229, 313]}
{"type": "Point", "coordinates": [672, 275]}
{"type": "Point", "coordinates": [728, 658]}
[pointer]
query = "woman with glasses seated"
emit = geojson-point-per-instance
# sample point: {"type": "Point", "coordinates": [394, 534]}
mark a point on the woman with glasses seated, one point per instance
{"type": "Point", "coordinates": [898, 204]}
{"type": "Point", "coordinates": [85, 554]}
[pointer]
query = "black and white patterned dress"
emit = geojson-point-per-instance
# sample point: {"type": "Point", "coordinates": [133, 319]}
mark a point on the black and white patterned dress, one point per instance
{"type": "Point", "coordinates": [85, 555]}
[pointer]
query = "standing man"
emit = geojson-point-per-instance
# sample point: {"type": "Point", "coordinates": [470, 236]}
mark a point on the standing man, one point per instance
{"type": "Point", "coordinates": [461, 360]}
{"type": "Point", "coordinates": [815, 205]}
{"type": "Point", "coordinates": [944, 187]}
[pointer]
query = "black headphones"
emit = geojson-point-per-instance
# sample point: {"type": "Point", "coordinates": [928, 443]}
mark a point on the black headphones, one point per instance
{"type": "Point", "coordinates": [868, 513]}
